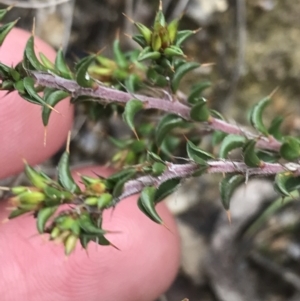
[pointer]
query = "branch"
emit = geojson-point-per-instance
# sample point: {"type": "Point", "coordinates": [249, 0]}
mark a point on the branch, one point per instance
{"type": "Point", "coordinates": [108, 95]}
{"type": "Point", "coordinates": [184, 171]}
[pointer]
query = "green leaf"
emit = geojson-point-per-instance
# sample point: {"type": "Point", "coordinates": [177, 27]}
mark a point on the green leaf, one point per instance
{"type": "Point", "coordinates": [147, 204]}
{"type": "Point", "coordinates": [82, 77]}
{"type": "Point", "coordinates": [116, 177]}
{"type": "Point", "coordinates": [4, 69]}
{"type": "Point", "coordinates": [119, 143]}
{"type": "Point", "coordinates": [268, 156]}
{"type": "Point", "coordinates": [280, 184]}
{"type": "Point", "coordinates": [56, 194]}
{"type": "Point", "coordinates": [165, 189]}
{"type": "Point", "coordinates": [156, 79]}
{"type": "Point", "coordinates": [131, 82]}
{"type": "Point", "coordinates": [86, 224]}
{"type": "Point", "coordinates": [17, 212]}
{"type": "Point", "coordinates": [132, 107]}
{"type": "Point", "coordinates": [196, 154]}
{"type": "Point", "coordinates": [118, 189]}
{"type": "Point", "coordinates": [250, 157]}
{"type": "Point", "coordinates": [166, 124]}
{"type": "Point", "coordinates": [29, 54]}
{"type": "Point", "coordinates": [138, 38]}
{"type": "Point", "coordinates": [154, 157]}
{"type": "Point", "coordinates": [19, 86]}
{"type": "Point", "coordinates": [5, 29]}
{"type": "Point", "coordinates": [47, 63]}
{"type": "Point", "coordinates": [180, 72]}
{"type": "Point", "coordinates": [197, 90]}
{"type": "Point", "coordinates": [182, 35]}
{"type": "Point", "coordinates": [65, 178]}
{"type": "Point", "coordinates": [158, 168]}
{"type": "Point", "coordinates": [52, 99]}
{"type": "Point", "coordinates": [28, 83]}
{"type": "Point", "coordinates": [119, 56]}
{"type": "Point", "coordinates": [229, 143]}
{"type": "Point", "coordinates": [274, 128]}
{"type": "Point", "coordinates": [61, 65]}
{"type": "Point", "coordinates": [172, 51]}
{"type": "Point", "coordinates": [228, 186]}
{"type": "Point", "coordinates": [4, 11]}
{"type": "Point", "coordinates": [27, 97]}
{"type": "Point", "coordinates": [138, 146]}
{"type": "Point", "coordinates": [217, 137]}
{"type": "Point", "coordinates": [200, 111]}
{"type": "Point", "coordinates": [290, 149]}
{"type": "Point", "coordinates": [256, 115]}
{"type": "Point", "coordinates": [149, 55]}
{"type": "Point", "coordinates": [43, 216]}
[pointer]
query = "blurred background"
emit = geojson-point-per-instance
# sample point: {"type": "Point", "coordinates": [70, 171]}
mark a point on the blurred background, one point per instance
{"type": "Point", "coordinates": [247, 48]}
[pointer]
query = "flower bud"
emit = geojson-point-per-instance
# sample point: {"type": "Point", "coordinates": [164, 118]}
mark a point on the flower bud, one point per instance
{"type": "Point", "coordinates": [70, 244]}
{"type": "Point", "coordinates": [156, 41]}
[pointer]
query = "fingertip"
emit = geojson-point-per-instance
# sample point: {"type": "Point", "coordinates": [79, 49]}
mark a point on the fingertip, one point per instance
{"type": "Point", "coordinates": [22, 131]}
{"type": "Point", "coordinates": [143, 268]}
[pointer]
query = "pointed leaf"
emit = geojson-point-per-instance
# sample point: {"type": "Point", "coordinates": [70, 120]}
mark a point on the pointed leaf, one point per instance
{"type": "Point", "coordinates": [147, 205]}
{"type": "Point", "coordinates": [87, 224]}
{"type": "Point", "coordinates": [165, 189]}
{"type": "Point", "coordinates": [197, 90]}
{"type": "Point", "coordinates": [132, 107]}
{"type": "Point", "coordinates": [118, 189]}
{"type": "Point", "coordinates": [274, 128]}
{"type": "Point", "coordinates": [290, 149]}
{"type": "Point", "coordinates": [256, 115]}
{"type": "Point", "coordinates": [119, 56]}
{"type": "Point", "coordinates": [138, 38]}
{"type": "Point", "coordinates": [30, 55]}
{"type": "Point", "coordinates": [217, 137]}
{"type": "Point", "coordinates": [166, 124]}
{"type": "Point", "coordinates": [65, 178]}
{"type": "Point", "coordinates": [82, 77]}
{"type": "Point", "coordinates": [180, 72]}
{"type": "Point", "coordinates": [200, 111]}
{"type": "Point", "coordinates": [5, 29]}
{"type": "Point", "coordinates": [182, 35]}
{"type": "Point", "coordinates": [28, 83]}
{"type": "Point", "coordinates": [61, 65]}
{"type": "Point", "coordinates": [229, 143]}
{"type": "Point", "coordinates": [43, 216]}
{"type": "Point", "coordinates": [17, 212]}
{"type": "Point", "coordinates": [4, 11]}
{"type": "Point", "coordinates": [53, 99]}
{"type": "Point", "coordinates": [280, 183]}
{"type": "Point", "coordinates": [47, 63]}
{"type": "Point", "coordinates": [228, 186]}
{"type": "Point", "coordinates": [250, 157]}
{"type": "Point", "coordinates": [196, 154]}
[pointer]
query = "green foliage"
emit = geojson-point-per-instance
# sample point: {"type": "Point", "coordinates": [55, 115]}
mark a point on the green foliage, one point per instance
{"type": "Point", "coordinates": [164, 146]}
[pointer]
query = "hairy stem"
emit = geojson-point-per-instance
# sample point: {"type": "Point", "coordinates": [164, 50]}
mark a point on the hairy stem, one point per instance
{"type": "Point", "coordinates": [184, 171]}
{"type": "Point", "coordinates": [108, 95]}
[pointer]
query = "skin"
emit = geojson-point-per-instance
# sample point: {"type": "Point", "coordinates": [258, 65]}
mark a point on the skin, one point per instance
{"type": "Point", "coordinates": [33, 268]}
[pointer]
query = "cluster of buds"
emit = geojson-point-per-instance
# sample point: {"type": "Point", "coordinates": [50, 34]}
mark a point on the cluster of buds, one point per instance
{"type": "Point", "coordinates": [43, 194]}
{"type": "Point", "coordinates": [69, 227]}
{"type": "Point", "coordinates": [163, 41]}
{"type": "Point", "coordinates": [97, 192]}
{"type": "Point", "coordinates": [44, 197]}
